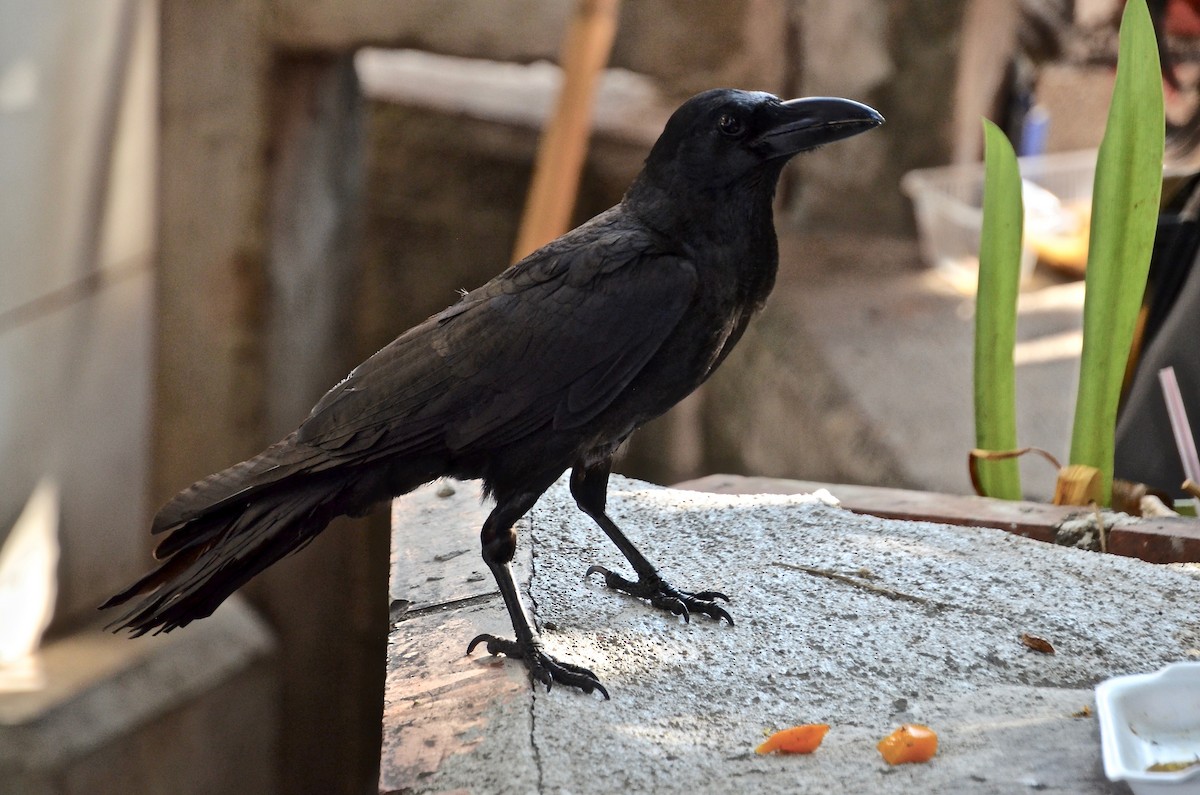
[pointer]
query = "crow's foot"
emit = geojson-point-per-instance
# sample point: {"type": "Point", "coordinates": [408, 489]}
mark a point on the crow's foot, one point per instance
{"type": "Point", "coordinates": [542, 667]}
{"type": "Point", "coordinates": [665, 597]}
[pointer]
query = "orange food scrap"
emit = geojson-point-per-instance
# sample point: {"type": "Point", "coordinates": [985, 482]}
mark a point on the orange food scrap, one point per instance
{"type": "Point", "coordinates": [912, 742]}
{"type": "Point", "coordinates": [796, 740]}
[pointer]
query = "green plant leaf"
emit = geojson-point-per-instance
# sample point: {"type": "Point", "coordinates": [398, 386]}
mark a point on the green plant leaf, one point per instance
{"type": "Point", "coordinates": [996, 314]}
{"type": "Point", "coordinates": [1125, 205]}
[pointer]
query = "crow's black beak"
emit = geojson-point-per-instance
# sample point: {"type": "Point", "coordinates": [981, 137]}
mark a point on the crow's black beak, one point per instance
{"type": "Point", "coordinates": [801, 124]}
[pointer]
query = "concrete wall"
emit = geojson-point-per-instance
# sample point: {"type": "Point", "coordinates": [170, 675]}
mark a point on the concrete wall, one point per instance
{"type": "Point", "coordinates": [88, 711]}
{"type": "Point", "coordinates": [261, 172]}
{"type": "Point", "coordinates": [76, 242]}
{"type": "Point", "coordinates": [190, 713]}
{"type": "Point", "coordinates": [901, 58]}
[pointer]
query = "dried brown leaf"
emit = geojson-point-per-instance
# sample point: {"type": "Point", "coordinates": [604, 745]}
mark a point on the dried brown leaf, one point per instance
{"type": "Point", "coordinates": [1037, 643]}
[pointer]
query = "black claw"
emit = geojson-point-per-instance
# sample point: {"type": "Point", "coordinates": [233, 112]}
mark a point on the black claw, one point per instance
{"type": "Point", "coordinates": [596, 570]}
{"type": "Point", "coordinates": [672, 604]}
{"type": "Point", "coordinates": [493, 643]}
{"type": "Point", "coordinates": [665, 597]}
{"type": "Point", "coordinates": [541, 666]}
{"type": "Point", "coordinates": [719, 613]}
{"type": "Point", "coordinates": [708, 596]}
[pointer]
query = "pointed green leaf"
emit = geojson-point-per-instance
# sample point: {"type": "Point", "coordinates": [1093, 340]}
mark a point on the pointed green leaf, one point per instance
{"type": "Point", "coordinates": [1125, 205]}
{"type": "Point", "coordinates": [996, 314]}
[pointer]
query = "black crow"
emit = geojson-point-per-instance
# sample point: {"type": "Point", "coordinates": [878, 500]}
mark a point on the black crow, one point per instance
{"type": "Point", "coordinates": [551, 365]}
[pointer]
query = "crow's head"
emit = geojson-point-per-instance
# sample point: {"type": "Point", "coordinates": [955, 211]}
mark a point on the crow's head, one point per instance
{"type": "Point", "coordinates": [723, 136]}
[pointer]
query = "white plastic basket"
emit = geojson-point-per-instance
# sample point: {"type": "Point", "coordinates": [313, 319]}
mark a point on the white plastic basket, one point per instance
{"type": "Point", "coordinates": [948, 203]}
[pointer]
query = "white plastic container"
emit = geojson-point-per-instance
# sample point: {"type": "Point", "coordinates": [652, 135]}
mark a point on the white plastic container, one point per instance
{"type": "Point", "coordinates": [948, 204]}
{"type": "Point", "coordinates": [1148, 719]}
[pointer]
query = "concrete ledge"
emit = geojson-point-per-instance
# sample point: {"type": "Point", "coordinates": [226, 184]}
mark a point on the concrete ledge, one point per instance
{"type": "Point", "coordinates": [857, 621]}
{"type": "Point", "coordinates": [119, 715]}
{"type": "Point", "coordinates": [1171, 540]}
{"type": "Point", "coordinates": [628, 106]}
{"type": "Point", "coordinates": [438, 701]}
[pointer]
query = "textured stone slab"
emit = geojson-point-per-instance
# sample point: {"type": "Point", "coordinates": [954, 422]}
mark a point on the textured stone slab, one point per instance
{"type": "Point", "coordinates": [435, 547]}
{"type": "Point", "coordinates": [860, 622]}
{"type": "Point", "coordinates": [1165, 540]}
{"type": "Point", "coordinates": [440, 703]}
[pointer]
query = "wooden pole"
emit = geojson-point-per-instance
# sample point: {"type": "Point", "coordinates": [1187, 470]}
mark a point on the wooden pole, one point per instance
{"type": "Point", "coordinates": [563, 146]}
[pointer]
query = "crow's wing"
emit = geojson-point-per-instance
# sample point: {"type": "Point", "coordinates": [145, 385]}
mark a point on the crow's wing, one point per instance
{"type": "Point", "coordinates": [551, 342]}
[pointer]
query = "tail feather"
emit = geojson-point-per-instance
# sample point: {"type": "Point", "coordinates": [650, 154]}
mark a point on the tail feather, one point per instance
{"type": "Point", "coordinates": [208, 557]}
{"type": "Point", "coordinates": [237, 484]}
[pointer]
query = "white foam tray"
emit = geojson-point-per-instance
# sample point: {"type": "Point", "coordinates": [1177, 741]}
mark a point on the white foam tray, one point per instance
{"type": "Point", "coordinates": [1152, 718]}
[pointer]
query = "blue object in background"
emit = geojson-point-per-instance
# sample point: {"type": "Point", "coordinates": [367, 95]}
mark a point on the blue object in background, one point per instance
{"type": "Point", "coordinates": [1034, 131]}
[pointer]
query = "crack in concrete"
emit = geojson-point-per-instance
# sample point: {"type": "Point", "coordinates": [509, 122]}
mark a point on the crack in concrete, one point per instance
{"type": "Point", "coordinates": [857, 582]}
{"type": "Point", "coordinates": [399, 610]}
{"type": "Point", "coordinates": [533, 692]}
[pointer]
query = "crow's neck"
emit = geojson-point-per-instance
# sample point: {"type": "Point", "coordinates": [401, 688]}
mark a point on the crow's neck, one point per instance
{"type": "Point", "coordinates": [729, 229]}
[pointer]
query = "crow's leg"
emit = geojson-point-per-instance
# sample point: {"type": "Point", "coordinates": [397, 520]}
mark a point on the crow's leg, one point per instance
{"type": "Point", "coordinates": [499, 545]}
{"type": "Point", "coordinates": [589, 487]}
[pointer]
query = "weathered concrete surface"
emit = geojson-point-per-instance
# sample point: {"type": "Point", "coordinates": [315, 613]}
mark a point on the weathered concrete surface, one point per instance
{"type": "Point", "coordinates": [107, 714]}
{"type": "Point", "coordinates": [859, 622]}
{"type": "Point", "coordinates": [686, 47]}
{"type": "Point", "coordinates": [1169, 539]}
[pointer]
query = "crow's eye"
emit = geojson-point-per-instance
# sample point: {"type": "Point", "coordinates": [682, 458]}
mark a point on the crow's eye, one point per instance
{"type": "Point", "coordinates": [730, 125]}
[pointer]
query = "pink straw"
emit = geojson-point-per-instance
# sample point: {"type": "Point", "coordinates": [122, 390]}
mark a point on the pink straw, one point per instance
{"type": "Point", "coordinates": [1184, 441]}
